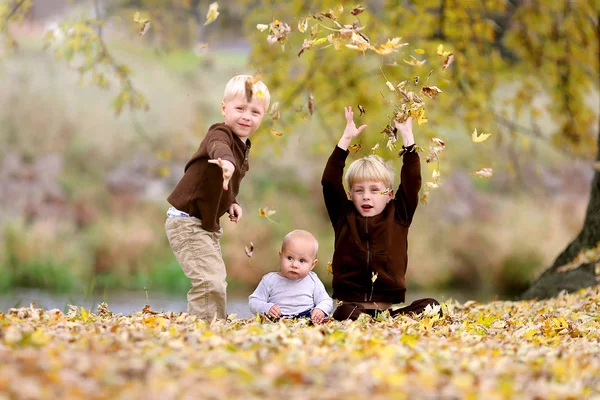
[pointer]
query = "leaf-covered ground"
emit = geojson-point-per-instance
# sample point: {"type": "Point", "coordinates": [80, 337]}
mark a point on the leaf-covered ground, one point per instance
{"type": "Point", "coordinates": [545, 350]}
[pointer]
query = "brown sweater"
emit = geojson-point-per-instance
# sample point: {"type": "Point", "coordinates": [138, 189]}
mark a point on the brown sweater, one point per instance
{"type": "Point", "coordinates": [200, 191]}
{"type": "Point", "coordinates": [367, 245]}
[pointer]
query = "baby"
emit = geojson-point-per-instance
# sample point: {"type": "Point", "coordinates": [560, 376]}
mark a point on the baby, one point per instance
{"type": "Point", "coordinates": [295, 291]}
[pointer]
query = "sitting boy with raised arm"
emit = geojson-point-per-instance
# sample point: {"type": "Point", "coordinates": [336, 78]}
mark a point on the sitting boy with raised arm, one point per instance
{"type": "Point", "coordinates": [371, 229]}
{"type": "Point", "coordinates": [295, 291]}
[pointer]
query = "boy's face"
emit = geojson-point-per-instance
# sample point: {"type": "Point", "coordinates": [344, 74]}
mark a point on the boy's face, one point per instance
{"type": "Point", "coordinates": [297, 258]}
{"type": "Point", "coordinates": [370, 198]}
{"type": "Point", "coordinates": [242, 117]}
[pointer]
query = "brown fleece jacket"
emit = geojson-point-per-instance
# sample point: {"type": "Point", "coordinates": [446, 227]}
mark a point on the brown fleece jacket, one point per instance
{"type": "Point", "coordinates": [200, 191]}
{"type": "Point", "coordinates": [368, 245]}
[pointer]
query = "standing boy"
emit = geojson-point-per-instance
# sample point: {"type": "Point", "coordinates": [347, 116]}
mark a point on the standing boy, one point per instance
{"type": "Point", "coordinates": [371, 229]}
{"type": "Point", "coordinates": [208, 189]}
{"type": "Point", "coordinates": [295, 291]}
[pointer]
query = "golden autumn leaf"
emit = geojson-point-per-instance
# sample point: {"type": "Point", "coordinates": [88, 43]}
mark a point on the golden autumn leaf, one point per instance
{"type": "Point", "coordinates": [441, 52]}
{"type": "Point", "coordinates": [374, 148]}
{"type": "Point", "coordinates": [144, 28]}
{"type": "Point", "coordinates": [431, 91]}
{"type": "Point", "coordinates": [249, 250]}
{"type": "Point", "coordinates": [419, 51]}
{"type": "Point", "coordinates": [431, 185]}
{"type": "Point", "coordinates": [266, 212]}
{"type": "Point", "coordinates": [448, 61]}
{"type": "Point", "coordinates": [212, 14]}
{"type": "Point", "coordinates": [354, 147]}
{"type": "Point", "coordinates": [330, 267]}
{"type": "Point", "coordinates": [373, 277]}
{"type": "Point", "coordinates": [262, 27]}
{"type": "Point", "coordinates": [483, 173]}
{"type": "Point", "coordinates": [415, 62]}
{"type": "Point", "coordinates": [311, 104]}
{"type": "Point", "coordinates": [303, 25]}
{"type": "Point", "coordinates": [424, 197]}
{"type": "Point", "coordinates": [390, 86]}
{"type": "Point", "coordinates": [274, 111]}
{"type": "Point", "coordinates": [478, 138]}
{"type": "Point", "coordinates": [278, 32]}
{"type": "Point", "coordinates": [357, 10]}
{"type": "Point", "coordinates": [276, 133]}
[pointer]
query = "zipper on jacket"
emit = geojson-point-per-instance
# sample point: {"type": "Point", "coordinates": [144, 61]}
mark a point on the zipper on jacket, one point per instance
{"type": "Point", "coordinates": [368, 252]}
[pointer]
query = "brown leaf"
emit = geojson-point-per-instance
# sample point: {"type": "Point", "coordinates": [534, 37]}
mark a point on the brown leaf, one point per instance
{"type": "Point", "coordinates": [311, 104]}
{"type": "Point", "coordinates": [357, 10]}
{"type": "Point", "coordinates": [448, 61]}
{"type": "Point", "coordinates": [249, 250]}
{"type": "Point", "coordinates": [361, 109]}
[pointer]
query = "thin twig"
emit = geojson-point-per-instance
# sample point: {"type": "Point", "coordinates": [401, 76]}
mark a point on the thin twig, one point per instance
{"type": "Point", "coordinates": [14, 10]}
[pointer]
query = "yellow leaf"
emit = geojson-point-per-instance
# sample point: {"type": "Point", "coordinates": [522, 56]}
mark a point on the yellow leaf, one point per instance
{"type": "Point", "coordinates": [262, 27]}
{"type": "Point", "coordinates": [390, 86]}
{"type": "Point", "coordinates": [302, 25]}
{"type": "Point", "coordinates": [431, 91]}
{"type": "Point", "coordinates": [84, 314]}
{"type": "Point", "coordinates": [212, 14]}
{"type": "Point", "coordinates": [276, 133]}
{"type": "Point", "coordinates": [266, 212]}
{"type": "Point", "coordinates": [373, 277]}
{"type": "Point", "coordinates": [136, 16]}
{"type": "Point", "coordinates": [419, 51]}
{"type": "Point", "coordinates": [484, 173]}
{"type": "Point", "coordinates": [330, 267]}
{"type": "Point", "coordinates": [415, 62]}
{"type": "Point", "coordinates": [479, 138]}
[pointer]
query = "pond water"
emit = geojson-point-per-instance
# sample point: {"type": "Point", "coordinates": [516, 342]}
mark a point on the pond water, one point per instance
{"type": "Point", "coordinates": [128, 302]}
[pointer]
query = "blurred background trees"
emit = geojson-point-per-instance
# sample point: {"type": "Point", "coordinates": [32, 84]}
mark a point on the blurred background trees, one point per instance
{"type": "Point", "coordinates": [83, 190]}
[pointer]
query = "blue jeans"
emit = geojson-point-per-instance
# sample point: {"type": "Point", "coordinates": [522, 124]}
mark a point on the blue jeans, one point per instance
{"type": "Point", "coordinates": [303, 314]}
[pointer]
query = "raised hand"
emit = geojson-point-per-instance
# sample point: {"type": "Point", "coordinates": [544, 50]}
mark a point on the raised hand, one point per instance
{"type": "Point", "coordinates": [351, 130]}
{"type": "Point", "coordinates": [228, 170]}
{"type": "Point", "coordinates": [405, 129]}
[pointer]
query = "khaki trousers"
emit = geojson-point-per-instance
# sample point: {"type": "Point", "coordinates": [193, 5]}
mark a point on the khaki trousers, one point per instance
{"type": "Point", "coordinates": [198, 252]}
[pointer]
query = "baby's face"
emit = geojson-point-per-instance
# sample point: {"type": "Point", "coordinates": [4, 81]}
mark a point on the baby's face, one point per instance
{"type": "Point", "coordinates": [243, 117]}
{"type": "Point", "coordinates": [370, 198]}
{"type": "Point", "coordinates": [297, 258]}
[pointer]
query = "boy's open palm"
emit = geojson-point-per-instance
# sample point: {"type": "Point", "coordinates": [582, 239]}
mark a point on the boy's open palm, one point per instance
{"type": "Point", "coordinates": [351, 130]}
{"type": "Point", "coordinates": [228, 170]}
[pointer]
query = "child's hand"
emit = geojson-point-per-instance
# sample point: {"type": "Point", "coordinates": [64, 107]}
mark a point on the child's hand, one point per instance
{"type": "Point", "coordinates": [235, 213]}
{"type": "Point", "coordinates": [351, 130]}
{"type": "Point", "coordinates": [228, 170]}
{"type": "Point", "coordinates": [317, 316]}
{"type": "Point", "coordinates": [274, 311]}
{"type": "Point", "coordinates": [405, 129]}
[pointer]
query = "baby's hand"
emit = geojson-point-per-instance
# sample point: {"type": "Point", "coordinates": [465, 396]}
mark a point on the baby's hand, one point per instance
{"type": "Point", "coordinates": [351, 130]}
{"type": "Point", "coordinates": [274, 311]}
{"type": "Point", "coordinates": [228, 170]}
{"type": "Point", "coordinates": [317, 316]}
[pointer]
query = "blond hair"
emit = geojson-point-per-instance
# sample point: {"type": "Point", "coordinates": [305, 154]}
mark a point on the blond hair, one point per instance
{"type": "Point", "coordinates": [370, 168]}
{"type": "Point", "coordinates": [300, 233]}
{"type": "Point", "coordinates": [237, 87]}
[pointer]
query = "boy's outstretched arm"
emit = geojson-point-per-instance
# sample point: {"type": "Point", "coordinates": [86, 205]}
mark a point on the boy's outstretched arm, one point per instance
{"type": "Point", "coordinates": [334, 194]}
{"type": "Point", "coordinates": [407, 195]}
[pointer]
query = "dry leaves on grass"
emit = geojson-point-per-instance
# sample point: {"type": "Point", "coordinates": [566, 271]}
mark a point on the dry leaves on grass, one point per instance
{"type": "Point", "coordinates": [545, 349]}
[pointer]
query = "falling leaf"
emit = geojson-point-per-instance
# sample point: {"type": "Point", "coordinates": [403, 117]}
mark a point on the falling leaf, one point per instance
{"type": "Point", "coordinates": [144, 28]}
{"type": "Point", "coordinates": [391, 46]}
{"type": "Point", "coordinates": [357, 10]}
{"type": "Point", "coordinates": [441, 52]}
{"type": "Point", "coordinates": [435, 175]}
{"type": "Point", "coordinates": [302, 25]}
{"type": "Point", "coordinates": [262, 27]}
{"type": "Point", "coordinates": [431, 91]}
{"type": "Point", "coordinates": [361, 109]}
{"type": "Point", "coordinates": [278, 32]}
{"type": "Point", "coordinates": [266, 212]}
{"type": "Point", "coordinates": [419, 51]}
{"type": "Point", "coordinates": [431, 185]}
{"type": "Point", "coordinates": [276, 133]}
{"type": "Point", "coordinates": [136, 17]}
{"type": "Point", "coordinates": [390, 86]}
{"type": "Point", "coordinates": [212, 14]}
{"type": "Point", "coordinates": [414, 62]}
{"type": "Point", "coordinates": [385, 192]}
{"type": "Point", "coordinates": [448, 61]}
{"type": "Point", "coordinates": [354, 147]}
{"type": "Point", "coordinates": [438, 142]}
{"type": "Point", "coordinates": [373, 277]}
{"type": "Point", "coordinates": [249, 250]}
{"type": "Point", "coordinates": [248, 89]}
{"type": "Point", "coordinates": [274, 112]}
{"type": "Point", "coordinates": [483, 173]}
{"type": "Point", "coordinates": [482, 137]}
{"type": "Point", "coordinates": [311, 104]}
{"type": "Point", "coordinates": [425, 197]}
{"type": "Point", "coordinates": [374, 148]}
{"type": "Point", "coordinates": [417, 78]}
{"type": "Point", "coordinates": [330, 267]}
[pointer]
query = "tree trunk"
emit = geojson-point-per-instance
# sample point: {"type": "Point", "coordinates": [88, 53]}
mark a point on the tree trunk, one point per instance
{"type": "Point", "coordinates": [551, 283]}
